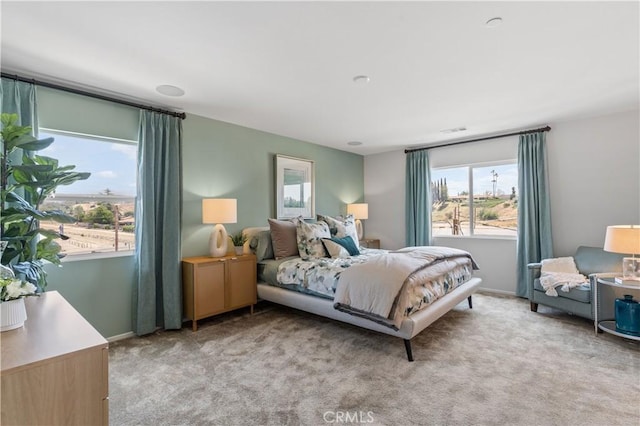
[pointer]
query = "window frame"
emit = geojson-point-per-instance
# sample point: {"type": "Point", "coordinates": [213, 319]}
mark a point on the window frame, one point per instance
{"type": "Point", "coordinates": [95, 255]}
{"type": "Point", "coordinates": [470, 167]}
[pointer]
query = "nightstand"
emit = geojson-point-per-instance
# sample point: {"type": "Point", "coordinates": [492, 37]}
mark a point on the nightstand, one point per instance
{"type": "Point", "coordinates": [213, 285]}
{"type": "Point", "coordinates": [606, 292]}
{"type": "Point", "coordinates": [371, 243]}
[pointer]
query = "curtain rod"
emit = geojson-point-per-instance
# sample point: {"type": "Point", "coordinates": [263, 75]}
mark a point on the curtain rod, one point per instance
{"type": "Point", "coordinates": [523, 132]}
{"type": "Point", "coordinates": [16, 77]}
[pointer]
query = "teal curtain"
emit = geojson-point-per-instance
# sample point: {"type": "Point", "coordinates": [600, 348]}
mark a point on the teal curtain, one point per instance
{"type": "Point", "coordinates": [534, 212]}
{"type": "Point", "coordinates": [158, 293]}
{"type": "Point", "coordinates": [418, 199]}
{"type": "Point", "coordinates": [20, 98]}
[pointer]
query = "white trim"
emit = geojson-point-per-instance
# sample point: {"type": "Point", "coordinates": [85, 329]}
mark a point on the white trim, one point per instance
{"type": "Point", "coordinates": [87, 136]}
{"type": "Point", "coordinates": [94, 256]}
{"type": "Point", "coordinates": [122, 336]}
{"type": "Point", "coordinates": [494, 291]}
{"type": "Point", "coordinates": [477, 237]}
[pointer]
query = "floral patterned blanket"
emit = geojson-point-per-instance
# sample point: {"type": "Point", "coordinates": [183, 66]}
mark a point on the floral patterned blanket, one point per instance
{"type": "Point", "coordinates": [321, 277]}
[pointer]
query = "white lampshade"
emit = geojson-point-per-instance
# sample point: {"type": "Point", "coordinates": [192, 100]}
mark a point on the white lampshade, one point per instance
{"type": "Point", "coordinates": [623, 239]}
{"type": "Point", "coordinates": [219, 211]}
{"type": "Point", "coordinates": [358, 210]}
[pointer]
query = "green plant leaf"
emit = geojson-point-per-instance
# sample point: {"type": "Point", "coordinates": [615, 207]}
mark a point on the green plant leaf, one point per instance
{"type": "Point", "coordinates": [36, 144]}
{"type": "Point", "coordinates": [8, 119]}
{"type": "Point", "coordinates": [24, 187]}
{"type": "Point", "coordinates": [48, 250]}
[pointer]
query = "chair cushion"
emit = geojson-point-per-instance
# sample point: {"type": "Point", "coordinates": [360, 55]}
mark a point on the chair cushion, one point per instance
{"type": "Point", "coordinates": [581, 293]}
{"type": "Point", "coordinates": [591, 260]}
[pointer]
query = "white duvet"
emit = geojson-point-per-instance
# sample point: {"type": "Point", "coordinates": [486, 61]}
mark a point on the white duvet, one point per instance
{"type": "Point", "coordinates": [372, 289]}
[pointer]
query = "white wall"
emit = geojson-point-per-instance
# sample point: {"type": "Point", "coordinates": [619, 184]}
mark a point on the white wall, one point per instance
{"type": "Point", "coordinates": [594, 181]}
{"type": "Point", "coordinates": [594, 174]}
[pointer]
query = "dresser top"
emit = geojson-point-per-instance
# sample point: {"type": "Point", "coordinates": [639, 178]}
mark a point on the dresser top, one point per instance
{"type": "Point", "coordinates": [53, 329]}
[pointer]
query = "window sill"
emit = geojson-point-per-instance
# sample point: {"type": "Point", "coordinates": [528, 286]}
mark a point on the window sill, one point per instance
{"type": "Point", "coordinates": [96, 256]}
{"type": "Point", "coordinates": [477, 237]}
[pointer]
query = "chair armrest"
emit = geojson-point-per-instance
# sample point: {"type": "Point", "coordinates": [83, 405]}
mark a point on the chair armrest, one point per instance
{"type": "Point", "coordinates": [534, 272]}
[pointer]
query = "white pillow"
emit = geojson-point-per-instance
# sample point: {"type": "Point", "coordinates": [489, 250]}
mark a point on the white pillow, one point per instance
{"type": "Point", "coordinates": [335, 250]}
{"type": "Point", "coordinates": [559, 264]}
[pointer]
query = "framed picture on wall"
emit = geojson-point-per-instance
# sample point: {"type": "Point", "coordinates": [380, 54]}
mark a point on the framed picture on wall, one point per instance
{"type": "Point", "coordinates": [295, 187]}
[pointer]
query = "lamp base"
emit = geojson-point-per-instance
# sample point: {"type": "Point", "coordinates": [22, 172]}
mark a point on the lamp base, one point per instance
{"type": "Point", "coordinates": [359, 229]}
{"type": "Point", "coordinates": [631, 268]}
{"type": "Point", "coordinates": [218, 241]}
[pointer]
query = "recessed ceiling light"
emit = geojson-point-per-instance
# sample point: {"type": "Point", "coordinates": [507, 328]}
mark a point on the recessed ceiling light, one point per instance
{"type": "Point", "coordinates": [361, 79]}
{"type": "Point", "coordinates": [168, 90]}
{"type": "Point", "coordinates": [454, 130]}
{"type": "Point", "coordinates": [354, 143]}
{"type": "Point", "coordinates": [493, 22]}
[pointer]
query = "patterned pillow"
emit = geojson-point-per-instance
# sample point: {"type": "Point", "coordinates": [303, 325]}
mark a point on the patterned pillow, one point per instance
{"type": "Point", "coordinates": [310, 237]}
{"type": "Point", "coordinates": [342, 227]}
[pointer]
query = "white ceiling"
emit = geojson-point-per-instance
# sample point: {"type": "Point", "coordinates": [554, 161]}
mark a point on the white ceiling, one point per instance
{"type": "Point", "coordinates": [288, 67]}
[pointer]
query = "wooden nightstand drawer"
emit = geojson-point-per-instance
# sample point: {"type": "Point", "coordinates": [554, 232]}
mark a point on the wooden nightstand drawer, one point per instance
{"type": "Point", "coordinates": [213, 285]}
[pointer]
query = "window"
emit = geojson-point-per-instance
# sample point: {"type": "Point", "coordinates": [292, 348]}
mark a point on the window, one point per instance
{"type": "Point", "coordinates": [493, 208]}
{"type": "Point", "coordinates": [104, 204]}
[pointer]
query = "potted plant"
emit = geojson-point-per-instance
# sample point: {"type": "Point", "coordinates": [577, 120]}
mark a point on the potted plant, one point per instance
{"type": "Point", "coordinates": [238, 241]}
{"type": "Point", "coordinates": [25, 182]}
{"type": "Point", "coordinates": [13, 313]}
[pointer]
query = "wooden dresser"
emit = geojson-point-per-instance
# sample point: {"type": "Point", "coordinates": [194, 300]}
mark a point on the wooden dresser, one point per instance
{"type": "Point", "coordinates": [55, 369]}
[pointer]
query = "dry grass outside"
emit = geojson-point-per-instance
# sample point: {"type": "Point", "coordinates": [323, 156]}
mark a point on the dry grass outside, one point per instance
{"type": "Point", "coordinates": [94, 240]}
{"type": "Point", "coordinates": [494, 216]}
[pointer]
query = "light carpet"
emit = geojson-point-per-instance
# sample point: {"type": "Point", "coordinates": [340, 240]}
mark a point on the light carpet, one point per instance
{"type": "Point", "coordinates": [495, 364]}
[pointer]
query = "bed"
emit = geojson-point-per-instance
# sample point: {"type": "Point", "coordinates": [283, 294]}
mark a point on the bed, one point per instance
{"type": "Point", "coordinates": [423, 283]}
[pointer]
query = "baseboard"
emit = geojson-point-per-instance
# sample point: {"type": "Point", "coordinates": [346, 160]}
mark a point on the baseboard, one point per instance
{"type": "Point", "coordinates": [493, 290]}
{"type": "Point", "coordinates": [121, 336]}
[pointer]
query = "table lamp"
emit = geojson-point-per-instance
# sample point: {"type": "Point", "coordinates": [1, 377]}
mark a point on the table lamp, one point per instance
{"type": "Point", "coordinates": [625, 239]}
{"type": "Point", "coordinates": [359, 211]}
{"type": "Point", "coordinates": [219, 211]}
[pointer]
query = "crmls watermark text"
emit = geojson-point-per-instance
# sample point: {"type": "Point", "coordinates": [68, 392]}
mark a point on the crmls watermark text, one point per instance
{"type": "Point", "coordinates": [348, 416]}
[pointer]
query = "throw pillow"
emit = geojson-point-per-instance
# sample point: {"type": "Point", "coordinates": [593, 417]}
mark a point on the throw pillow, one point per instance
{"type": "Point", "coordinates": [283, 238]}
{"type": "Point", "coordinates": [335, 250]}
{"type": "Point", "coordinates": [347, 243]}
{"type": "Point", "coordinates": [261, 245]}
{"type": "Point", "coordinates": [309, 236]}
{"type": "Point", "coordinates": [341, 227]}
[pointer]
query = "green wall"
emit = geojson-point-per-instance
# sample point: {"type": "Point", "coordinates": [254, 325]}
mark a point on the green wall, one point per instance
{"type": "Point", "coordinates": [219, 160]}
{"type": "Point", "coordinates": [228, 161]}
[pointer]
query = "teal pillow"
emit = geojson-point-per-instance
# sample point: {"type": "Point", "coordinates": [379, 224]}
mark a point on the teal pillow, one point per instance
{"type": "Point", "coordinates": [348, 243]}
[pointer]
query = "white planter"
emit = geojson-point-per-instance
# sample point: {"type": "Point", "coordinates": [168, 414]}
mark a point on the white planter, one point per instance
{"type": "Point", "coordinates": [12, 314]}
{"type": "Point", "coordinates": [239, 250]}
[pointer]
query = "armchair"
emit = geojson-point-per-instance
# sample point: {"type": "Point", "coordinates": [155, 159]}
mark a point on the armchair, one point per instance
{"type": "Point", "coordinates": [578, 301]}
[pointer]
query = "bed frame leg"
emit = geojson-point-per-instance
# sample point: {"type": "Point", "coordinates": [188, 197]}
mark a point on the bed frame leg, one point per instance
{"type": "Point", "coordinates": [470, 302]}
{"type": "Point", "coordinates": [407, 346]}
